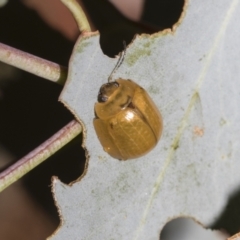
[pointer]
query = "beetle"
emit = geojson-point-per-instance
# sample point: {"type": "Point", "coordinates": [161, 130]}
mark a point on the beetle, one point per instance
{"type": "Point", "coordinates": [128, 123]}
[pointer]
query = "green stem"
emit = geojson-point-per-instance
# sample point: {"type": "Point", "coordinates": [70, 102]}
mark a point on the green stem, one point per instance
{"type": "Point", "coordinates": [78, 14]}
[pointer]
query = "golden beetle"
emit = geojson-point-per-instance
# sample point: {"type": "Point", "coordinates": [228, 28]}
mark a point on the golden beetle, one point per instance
{"type": "Point", "coordinates": [128, 123]}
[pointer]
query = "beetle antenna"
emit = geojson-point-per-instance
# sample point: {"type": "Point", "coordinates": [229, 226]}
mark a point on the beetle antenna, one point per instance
{"type": "Point", "coordinates": [120, 61]}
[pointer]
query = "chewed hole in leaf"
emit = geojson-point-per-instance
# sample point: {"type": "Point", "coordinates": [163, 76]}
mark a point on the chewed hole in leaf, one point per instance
{"type": "Point", "coordinates": [188, 229]}
{"type": "Point", "coordinates": [229, 219]}
{"type": "Point", "coordinates": [115, 28]}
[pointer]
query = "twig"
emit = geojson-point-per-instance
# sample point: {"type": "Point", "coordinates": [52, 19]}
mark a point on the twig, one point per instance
{"type": "Point", "coordinates": [78, 14]}
{"type": "Point", "coordinates": [40, 154]}
{"type": "Point", "coordinates": [32, 64]}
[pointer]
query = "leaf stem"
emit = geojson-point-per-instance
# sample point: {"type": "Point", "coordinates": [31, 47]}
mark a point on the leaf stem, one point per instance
{"type": "Point", "coordinates": [40, 154]}
{"type": "Point", "coordinates": [78, 14]}
{"type": "Point", "coordinates": [32, 64]}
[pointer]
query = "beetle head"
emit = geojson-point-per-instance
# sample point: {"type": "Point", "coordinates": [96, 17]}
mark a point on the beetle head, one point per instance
{"type": "Point", "coordinates": [106, 91]}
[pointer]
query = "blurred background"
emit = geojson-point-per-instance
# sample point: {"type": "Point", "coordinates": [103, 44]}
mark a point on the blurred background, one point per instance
{"type": "Point", "coordinates": [29, 109]}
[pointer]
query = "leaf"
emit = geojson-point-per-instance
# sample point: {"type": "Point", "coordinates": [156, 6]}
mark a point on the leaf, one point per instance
{"type": "Point", "coordinates": [192, 73]}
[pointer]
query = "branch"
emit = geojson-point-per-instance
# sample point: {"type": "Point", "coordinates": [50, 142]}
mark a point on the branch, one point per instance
{"type": "Point", "coordinates": [40, 154]}
{"type": "Point", "coordinates": [78, 14]}
{"type": "Point", "coordinates": [32, 64]}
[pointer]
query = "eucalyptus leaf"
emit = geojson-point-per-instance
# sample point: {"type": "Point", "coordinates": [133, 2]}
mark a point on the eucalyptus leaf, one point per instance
{"type": "Point", "coordinates": [192, 73]}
